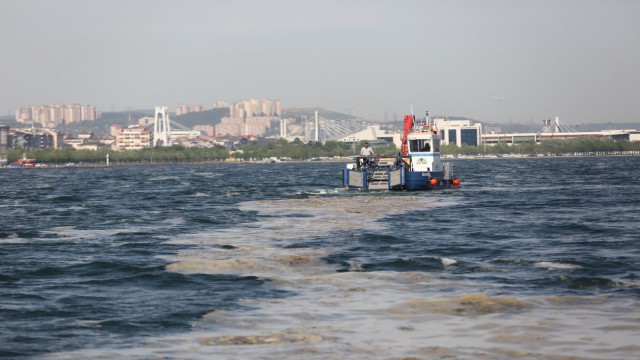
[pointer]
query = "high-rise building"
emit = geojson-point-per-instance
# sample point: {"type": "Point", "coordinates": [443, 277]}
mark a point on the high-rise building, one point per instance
{"type": "Point", "coordinates": [250, 117]}
{"type": "Point", "coordinates": [88, 112]}
{"type": "Point", "coordinates": [182, 109]}
{"type": "Point", "coordinates": [4, 137]}
{"type": "Point", "coordinates": [52, 115]}
{"type": "Point", "coordinates": [278, 108]}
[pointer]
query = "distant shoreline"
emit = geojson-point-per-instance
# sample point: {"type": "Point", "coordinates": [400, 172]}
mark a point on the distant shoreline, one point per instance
{"type": "Point", "coordinates": [343, 160]}
{"type": "Point", "coordinates": [522, 156]}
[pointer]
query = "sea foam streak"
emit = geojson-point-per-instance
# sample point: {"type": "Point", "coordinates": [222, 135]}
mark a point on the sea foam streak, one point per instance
{"type": "Point", "coordinates": [375, 315]}
{"type": "Point", "coordinates": [556, 265]}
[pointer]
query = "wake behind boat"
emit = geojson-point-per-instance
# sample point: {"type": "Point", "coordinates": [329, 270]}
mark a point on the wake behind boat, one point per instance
{"type": "Point", "coordinates": [416, 167]}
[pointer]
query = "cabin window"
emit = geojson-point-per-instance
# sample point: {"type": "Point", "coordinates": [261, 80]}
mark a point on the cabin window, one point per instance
{"type": "Point", "coordinates": [436, 145]}
{"type": "Point", "coordinates": [414, 145]}
{"type": "Point", "coordinates": [420, 145]}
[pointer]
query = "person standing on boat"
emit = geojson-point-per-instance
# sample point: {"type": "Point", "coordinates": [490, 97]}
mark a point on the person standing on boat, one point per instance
{"type": "Point", "coordinates": [366, 152]}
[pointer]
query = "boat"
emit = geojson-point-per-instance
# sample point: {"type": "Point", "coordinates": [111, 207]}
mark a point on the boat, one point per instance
{"type": "Point", "coordinates": [23, 163]}
{"type": "Point", "coordinates": [417, 167]}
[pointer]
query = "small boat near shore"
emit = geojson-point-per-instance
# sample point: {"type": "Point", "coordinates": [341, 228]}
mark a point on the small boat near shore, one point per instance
{"type": "Point", "coordinates": [417, 167]}
{"type": "Point", "coordinates": [23, 163]}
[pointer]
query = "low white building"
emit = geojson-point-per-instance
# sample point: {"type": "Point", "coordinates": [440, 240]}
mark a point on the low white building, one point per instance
{"type": "Point", "coordinates": [459, 132]}
{"type": "Point", "coordinates": [133, 137]}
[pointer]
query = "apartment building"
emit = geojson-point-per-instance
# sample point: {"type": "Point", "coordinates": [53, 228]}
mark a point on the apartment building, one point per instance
{"type": "Point", "coordinates": [133, 137]}
{"type": "Point", "coordinates": [50, 116]}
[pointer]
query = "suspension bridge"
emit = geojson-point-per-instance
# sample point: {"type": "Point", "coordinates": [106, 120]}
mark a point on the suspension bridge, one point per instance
{"type": "Point", "coordinates": [319, 129]}
{"type": "Point", "coordinates": [164, 131]}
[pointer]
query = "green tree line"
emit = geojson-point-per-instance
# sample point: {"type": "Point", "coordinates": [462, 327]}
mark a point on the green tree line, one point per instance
{"type": "Point", "coordinates": [297, 150]}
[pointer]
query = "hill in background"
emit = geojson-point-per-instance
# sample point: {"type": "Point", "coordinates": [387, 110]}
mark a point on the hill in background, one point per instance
{"type": "Point", "coordinates": [207, 117]}
{"type": "Point", "coordinates": [102, 125]}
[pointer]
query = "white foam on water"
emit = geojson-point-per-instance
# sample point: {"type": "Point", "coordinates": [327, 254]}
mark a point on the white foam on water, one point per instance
{"type": "Point", "coordinates": [207, 174]}
{"type": "Point", "coordinates": [371, 315]}
{"type": "Point", "coordinates": [12, 238]}
{"type": "Point", "coordinates": [163, 178]}
{"type": "Point", "coordinates": [70, 208]}
{"type": "Point", "coordinates": [448, 262]}
{"type": "Point", "coordinates": [87, 236]}
{"type": "Point", "coordinates": [556, 265]}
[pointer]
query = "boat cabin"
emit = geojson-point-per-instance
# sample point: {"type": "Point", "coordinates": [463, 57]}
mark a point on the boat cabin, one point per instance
{"type": "Point", "coordinates": [424, 150]}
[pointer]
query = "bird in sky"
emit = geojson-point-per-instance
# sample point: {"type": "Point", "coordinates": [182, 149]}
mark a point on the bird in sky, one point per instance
{"type": "Point", "coordinates": [500, 97]}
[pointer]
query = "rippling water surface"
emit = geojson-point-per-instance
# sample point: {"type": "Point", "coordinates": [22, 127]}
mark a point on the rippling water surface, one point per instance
{"type": "Point", "coordinates": [533, 258]}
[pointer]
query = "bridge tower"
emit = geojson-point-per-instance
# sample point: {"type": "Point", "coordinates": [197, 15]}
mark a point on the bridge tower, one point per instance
{"type": "Point", "coordinates": [161, 127]}
{"type": "Point", "coordinates": [283, 128]}
{"type": "Point", "coordinates": [317, 127]}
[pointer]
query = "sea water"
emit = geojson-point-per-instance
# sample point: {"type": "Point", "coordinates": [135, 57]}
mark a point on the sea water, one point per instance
{"type": "Point", "coordinates": [535, 258]}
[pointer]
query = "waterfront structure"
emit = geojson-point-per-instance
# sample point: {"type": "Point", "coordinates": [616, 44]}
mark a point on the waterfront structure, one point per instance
{"type": "Point", "coordinates": [133, 137]}
{"type": "Point", "coordinates": [35, 139]}
{"type": "Point", "coordinates": [467, 132]}
{"type": "Point", "coordinates": [470, 133]}
{"type": "Point", "coordinates": [459, 132]}
{"type": "Point", "coordinates": [537, 137]}
{"type": "Point", "coordinates": [556, 131]}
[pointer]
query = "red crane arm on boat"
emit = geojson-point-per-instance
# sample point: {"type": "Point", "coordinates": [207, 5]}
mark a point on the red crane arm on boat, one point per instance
{"type": "Point", "coordinates": [408, 125]}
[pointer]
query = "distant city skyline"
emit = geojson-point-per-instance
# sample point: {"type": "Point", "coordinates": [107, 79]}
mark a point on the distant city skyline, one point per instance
{"type": "Point", "coordinates": [493, 61]}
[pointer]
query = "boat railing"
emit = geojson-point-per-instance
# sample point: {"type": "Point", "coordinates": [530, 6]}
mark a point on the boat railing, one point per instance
{"type": "Point", "coordinates": [379, 161]}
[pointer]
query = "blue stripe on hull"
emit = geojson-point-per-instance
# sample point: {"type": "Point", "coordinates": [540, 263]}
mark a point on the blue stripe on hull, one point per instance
{"type": "Point", "coordinates": [413, 181]}
{"type": "Point", "coordinates": [416, 180]}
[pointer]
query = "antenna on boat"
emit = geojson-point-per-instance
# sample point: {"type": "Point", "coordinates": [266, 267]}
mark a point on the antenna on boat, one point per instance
{"type": "Point", "coordinates": [428, 119]}
{"type": "Point", "coordinates": [411, 109]}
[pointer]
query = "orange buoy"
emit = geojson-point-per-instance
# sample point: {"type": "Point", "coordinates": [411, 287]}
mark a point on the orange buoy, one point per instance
{"type": "Point", "coordinates": [433, 182]}
{"type": "Point", "coordinates": [455, 182]}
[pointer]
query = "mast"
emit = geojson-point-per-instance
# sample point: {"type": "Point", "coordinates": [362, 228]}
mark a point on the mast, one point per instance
{"type": "Point", "coordinates": [408, 125]}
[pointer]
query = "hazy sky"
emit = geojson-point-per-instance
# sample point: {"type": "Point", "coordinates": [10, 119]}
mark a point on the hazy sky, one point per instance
{"type": "Point", "coordinates": [575, 59]}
